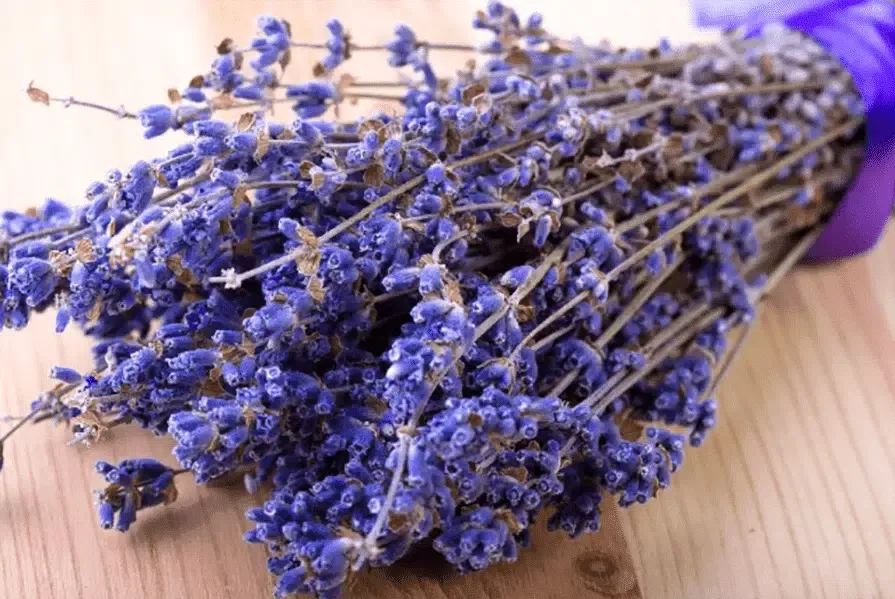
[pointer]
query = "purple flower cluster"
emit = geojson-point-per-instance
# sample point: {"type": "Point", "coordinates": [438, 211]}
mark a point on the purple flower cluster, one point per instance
{"type": "Point", "coordinates": [511, 298]}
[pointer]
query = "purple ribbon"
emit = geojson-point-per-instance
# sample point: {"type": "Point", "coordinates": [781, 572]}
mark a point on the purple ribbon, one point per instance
{"type": "Point", "coordinates": [861, 34]}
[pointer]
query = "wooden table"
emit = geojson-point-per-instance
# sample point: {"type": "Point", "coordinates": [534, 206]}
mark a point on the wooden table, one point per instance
{"type": "Point", "coordinates": [792, 496]}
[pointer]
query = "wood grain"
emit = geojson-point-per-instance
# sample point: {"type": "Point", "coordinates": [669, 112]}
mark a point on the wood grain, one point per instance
{"type": "Point", "coordinates": [793, 496]}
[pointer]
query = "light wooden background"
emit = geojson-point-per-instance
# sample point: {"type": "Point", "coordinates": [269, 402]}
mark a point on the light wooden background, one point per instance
{"type": "Point", "coordinates": [792, 497]}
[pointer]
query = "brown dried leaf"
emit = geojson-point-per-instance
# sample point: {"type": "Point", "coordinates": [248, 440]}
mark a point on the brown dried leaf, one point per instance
{"type": "Point", "coordinates": [374, 175]}
{"type": "Point", "coordinates": [222, 101]}
{"type": "Point", "coordinates": [226, 46]}
{"type": "Point", "coordinates": [517, 57]}
{"type": "Point", "coordinates": [263, 145]}
{"type": "Point", "coordinates": [305, 168]}
{"type": "Point", "coordinates": [174, 96]}
{"type": "Point", "coordinates": [307, 237]}
{"type": "Point", "coordinates": [211, 388]}
{"type": "Point", "coordinates": [414, 226]}
{"type": "Point", "coordinates": [240, 195]}
{"type": "Point", "coordinates": [376, 404]}
{"type": "Point", "coordinates": [318, 70]}
{"type": "Point", "coordinates": [470, 92]}
{"type": "Point", "coordinates": [674, 146]}
{"type": "Point", "coordinates": [518, 472]}
{"type": "Point", "coordinates": [630, 429]}
{"type": "Point", "coordinates": [642, 139]}
{"type": "Point", "coordinates": [37, 95]}
{"type": "Point", "coordinates": [556, 46]}
{"type": "Point", "coordinates": [370, 125]}
{"type": "Point", "coordinates": [509, 219]}
{"type": "Point", "coordinates": [482, 103]}
{"type": "Point", "coordinates": [317, 180]}
{"type": "Point", "coordinates": [286, 134]}
{"type": "Point", "coordinates": [766, 66]}
{"type": "Point", "coordinates": [315, 288]}
{"type": "Point", "coordinates": [285, 59]}
{"type": "Point", "coordinates": [84, 251]}
{"type": "Point", "coordinates": [522, 229]}
{"type": "Point", "coordinates": [632, 170]}
{"type": "Point", "coordinates": [160, 177]}
{"type": "Point", "coordinates": [452, 139]}
{"type": "Point", "coordinates": [197, 81]}
{"type": "Point", "coordinates": [307, 260]}
{"type": "Point", "coordinates": [345, 81]}
{"type": "Point", "coordinates": [524, 312]}
{"type": "Point", "coordinates": [243, 248]}
{"type": "Point", "coordinates": [246, 121]}
{"type": "Point", "coordinates": [237, 60]}
{"type": "Point", "coordinates": [95, 311]}
{"type": "Point", "coordinates": [466, 221]}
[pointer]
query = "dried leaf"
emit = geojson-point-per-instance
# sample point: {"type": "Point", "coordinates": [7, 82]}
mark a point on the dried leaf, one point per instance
{"type": "Point", "coordinates": [522, 229]}
{"type": "Point", "coordinates": [37, 95]}
{"type": "Point", "coordinates": [285, 59]}
{"type": "Point", "coordinates": [369, 125]}
{"type": "Point", "coordinates": [288, 26]}
{"type": "Point", "coordinates": [524, 312]}
{"type": "Point", "coordinates": [226, 46]}
{"type": "Point", "coordinates": [374, 175]}
{"type": "Point", "coordinates": [556, 47]}
{"type": "Point", "coordinates": [509, 219]}
{"type": "Point", "coordinates": [240, 195]}
{"type": "Point", "coordinates": [470, 92]}
{"type": "Point", "coordinates": [766, 66]}
{"type": "Point", "coordinates": [630, 429]}
{"type": "Point", "coordinates": [631, 170]}
{"type": "Point", "coordinates": [246, 121]}
{"type": "Point", "coordinates": [197, 81]}
{"type": "Point", "coordinates": [174, 96]}
{"type": "Point", "coordinates": [315, 289]}
{"type": "Point", "coordinates": [95, 311]}
{"type": "Point", "coordinates": [84, 251]}
{"type": "Point", "coordinates": [318, 70]}
{"type": "Point", "coordinates": [452, 139]}
{"type": "Point", "coordinates": [237, 60]}
{"type": "Point", "coordinates": [345, 81]}
{"type": "Point", "coordinates": [243, 248]}
{"type": "Point", "coordinates": [644, 138]}
{"type": "Point", "coordinates": [32, 212]}
{"type": "Point", "coordinates": [482, 103]}
{"type": "Point", "coordinates": [307, 260]}
{"type": "Point", "coordinates": [211, 388]}
{"type": "Point", "coordinates": [263, 145]}
{"type": "Point", "coordinates": [318, 179]}
{"type": "Point", "coordinates": [517, 57]}
{"type": "Point", "coordinates": [305, 168]}
{"type": "Point", "coordinates": [674, 146]}
{"type": "Point", "coordinates": [286, 134]}
{"type": "Point", "coordinates": [160, 178]}
{"type": "Point", "coordinates": [518, 472]}
{"type": "Point", "coordinates": [222, 101]}
{"type": "Point", "coordinates": [307, 237]}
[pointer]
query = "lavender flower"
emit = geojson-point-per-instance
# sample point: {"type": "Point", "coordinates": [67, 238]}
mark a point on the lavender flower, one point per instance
{"type": "Point", "coordinates": [434, 323]}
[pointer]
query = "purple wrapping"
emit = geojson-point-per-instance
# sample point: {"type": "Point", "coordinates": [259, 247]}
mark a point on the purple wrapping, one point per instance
{"type": "Point", "coordinates": [861, 33]}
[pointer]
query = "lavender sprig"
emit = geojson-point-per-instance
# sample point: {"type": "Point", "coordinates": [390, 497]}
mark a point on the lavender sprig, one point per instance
{"type": "Point", "coordinates": [437, 324]}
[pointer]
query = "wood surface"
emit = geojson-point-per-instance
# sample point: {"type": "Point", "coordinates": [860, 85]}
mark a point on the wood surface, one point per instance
{"type": "Point", "coordinates": [793, 496]}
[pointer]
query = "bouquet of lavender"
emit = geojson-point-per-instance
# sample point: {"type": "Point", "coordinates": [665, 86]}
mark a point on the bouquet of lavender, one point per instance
{"type": "Point", "coordinates": [514, 295]}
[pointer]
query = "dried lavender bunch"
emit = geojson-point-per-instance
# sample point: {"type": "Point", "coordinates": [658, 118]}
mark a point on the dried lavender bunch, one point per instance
{"type": "Point", "coordinates": [513, 297]}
